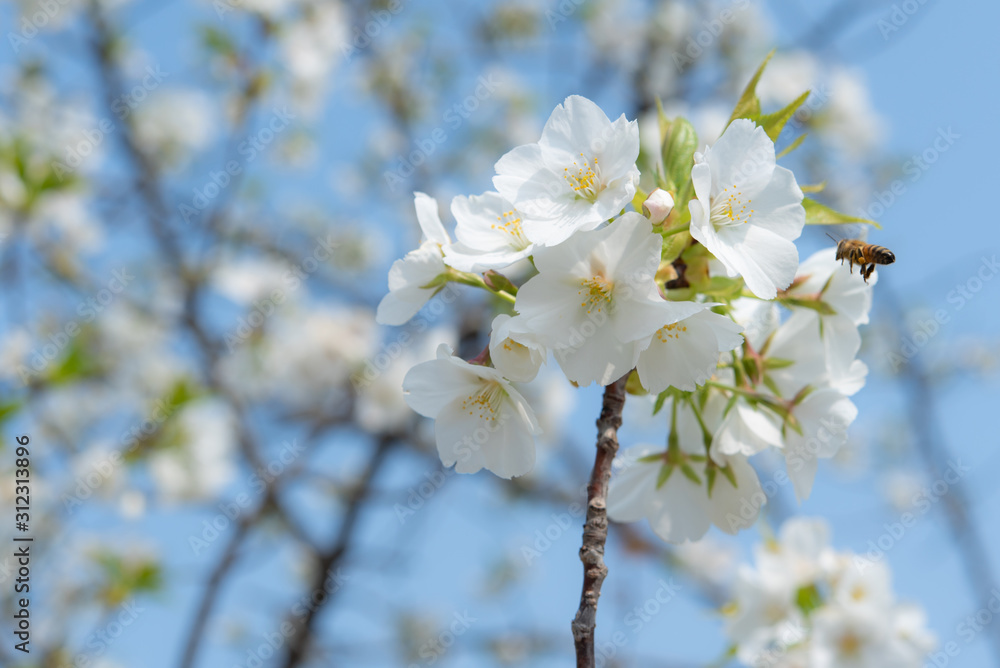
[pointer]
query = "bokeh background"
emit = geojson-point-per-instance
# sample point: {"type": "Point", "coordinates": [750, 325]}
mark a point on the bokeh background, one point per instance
{"type": "Point", "coordinates": [199, 201]}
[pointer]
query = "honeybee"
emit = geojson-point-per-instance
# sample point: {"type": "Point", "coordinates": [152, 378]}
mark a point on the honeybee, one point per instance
{"type": "Point", "coordinates": [865, 255]}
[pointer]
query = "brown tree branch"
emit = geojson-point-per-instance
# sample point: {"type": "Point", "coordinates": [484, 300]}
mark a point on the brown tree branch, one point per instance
{"type": "Point", "coordinates": [595, 530]}
{"type": "Point", "coordinates": [298, 643]}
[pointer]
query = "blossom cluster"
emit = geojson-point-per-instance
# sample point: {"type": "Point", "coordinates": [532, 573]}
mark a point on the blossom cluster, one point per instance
{"type": "Point", "coordinates": [699, 300]}
{"type": "Point", "coordinates": [804, 604]}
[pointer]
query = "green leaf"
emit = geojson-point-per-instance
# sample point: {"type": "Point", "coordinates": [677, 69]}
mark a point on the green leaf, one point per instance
{"type": "Point", "coordinates": [661, 398]}
{"type": "Point", "coordinates": [818, 187]}
{"type": "Point", "coordinates": [791, 147]}
{"type": "Point", "coordinates": [817, 305]}
{"type": "Point", "coordinates": [820, 214]}
{"type": "Point", "coordinates": [727, 471]}
{"type": "Point", "coordinates": [217, 41]}
{"type": "Point", "coordinates": [748, 105]}
{"type": "Point", "coordinates": [664, 475]}
{"type": "Point", "coordinates": [634, 386]}
{"type": "Point", "coordinates": [729, 405]}
{"type": "Point", "coordinates": [777, 363]}
{"type": "Point", "coordinates": [664, 122]}
{"type": "Point", "coordinates": [774, 123]}
{"type": "Point", "coordinates": [182, 392]}
{"type": "Point", "coordinates": [673, 246]}
{"type": "Point", "coordinates": [722, 287]}
{"type": "Point", "coordinates": [8, 409]}
{"type": "Point", "coordinates": [690, 474]}
{"type": "Point", "coordinates": [808, 599]}
{"type": "Point", "coordinates": [679, 145]}
{"type": "Point", "coordinates": [77, 364]}
{"type": "Point", "coordinates": [640, 197]}
{"type": "Point", "coordinates": [771, 385]}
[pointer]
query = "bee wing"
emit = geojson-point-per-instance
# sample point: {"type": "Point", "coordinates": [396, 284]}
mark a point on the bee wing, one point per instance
{"type": "Point", "coordinates": [848, 231]}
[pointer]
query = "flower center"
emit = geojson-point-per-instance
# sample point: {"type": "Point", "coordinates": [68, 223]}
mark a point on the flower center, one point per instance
{"type": "Point", "coordinates": [596, 293]}
{"type": "Point", "coordinates": [670, 332]}
{"type": "Point", "coordinates": [510, 346]}
{"type": "Point", "coordinates": [509, 222]}
{"type": "Point", "coordinates": [486, 402]}
{"type": "Point", "coordinates": [850, 644]}
{"type": "Point", "coordinates": [584, 177]}
{"type": "Point", "coordinates": [730, 209]}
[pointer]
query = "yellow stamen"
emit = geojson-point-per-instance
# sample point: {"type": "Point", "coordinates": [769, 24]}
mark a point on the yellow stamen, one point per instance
{"type": "Point", "coordinates": [585, 180]}
{"type": "Point", "coordinates": [596, 293]}
{"type": "Point", "coordinates": [670, 332]}
{"type": "Point", "coordinates": [730, 209]}
{"type": "Point", "coordinates": [486, 402]}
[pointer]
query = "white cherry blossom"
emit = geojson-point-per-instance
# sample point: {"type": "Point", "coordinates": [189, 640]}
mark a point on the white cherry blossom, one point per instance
{"type": "Point", "coordinates": [490, 233]}
{"type": "Point", "coordinates": [514, 350]}
{"type": "Point", "coordinates": [594, 302]}
{"type": "Point", "coordinates": [747, 210]}
{"type": "Point", "coordinates": [681, 508]}
{"type": "Point", "coordinates": [481, 421]}
{"type": "Point", "coordinates": [685, 354]}
{"type": "Point", "coordinates": [410, 276]}
{"type": "Point", "coordinates": [579, 174]}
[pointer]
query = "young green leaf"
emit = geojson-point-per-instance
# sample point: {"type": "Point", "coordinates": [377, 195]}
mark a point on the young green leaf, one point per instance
{"type": "Point", "coordinates": [820, 214]}
{"type": "Point", "coordinates": [775, 122]}
{"type": "Point", "coordinates": [748, 105]}
{"type": "Point", "coordinates": [679, 145]}
{"type": "Point", "coordinates": [791, 147]}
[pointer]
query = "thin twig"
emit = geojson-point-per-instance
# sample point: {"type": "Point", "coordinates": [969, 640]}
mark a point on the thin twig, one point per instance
{"type": "Point", "coordinates": [595, 531]}
{"type": "Point", "coordinates": [212, 590]}
{"type": "Point", "coordinates": [298, 643]}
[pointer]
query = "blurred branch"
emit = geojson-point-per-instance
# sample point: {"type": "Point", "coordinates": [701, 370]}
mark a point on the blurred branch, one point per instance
{"type": "Point", "coordinates": [595, 531]}
{"type": "Point", "coordinates": [934, 451]}
{"type": "Point", "coordinates": [212, 589]}
{"type": "Point", "coordinates": [299, 641]}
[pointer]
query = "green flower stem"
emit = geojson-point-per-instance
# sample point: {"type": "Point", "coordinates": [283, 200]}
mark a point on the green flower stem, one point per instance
{"type": "Point", "coordinates": [477, 281]}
